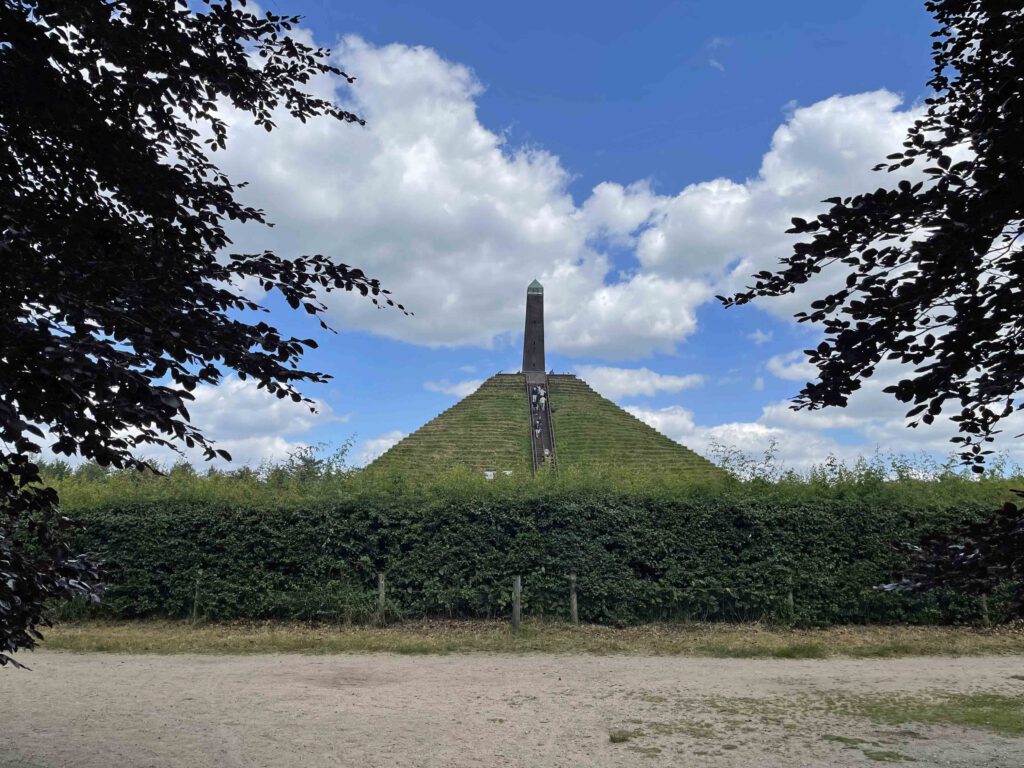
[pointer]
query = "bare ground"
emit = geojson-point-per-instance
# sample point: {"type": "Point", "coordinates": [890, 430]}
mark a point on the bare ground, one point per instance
{"type": "Point", "coordinates": [99, 710]}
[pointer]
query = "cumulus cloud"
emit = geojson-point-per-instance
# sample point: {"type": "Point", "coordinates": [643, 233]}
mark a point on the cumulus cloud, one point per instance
{"type": "Point", "coordinates": [373, 448]}
{"type": "Point", "coordinates": [804, 438]}
{"type": "Point", "coordinates": [458, 389]}
{"type": "Point", "coordinates": [797, 448]}
{"type": "Point", "coordinates": [728, 230]}
{"type": "Point", "coordinates": [792, 366]}
{"type": "Point", "coordinates": [457, 221]}
{"type": "Point", "coordinates": [651, 312]}
{"type": "Point", "coordinates": [760, 337]}
{"type": "Point", "coordinates": [794, 448]}
{"type": "Point", "coordinates": [614, 383]}
{"type": "Point", "coordinates": [249, 423]}
{"type": "Point", "coordinates": [229, 411]}
{"type": "Point", "coordinates": [451, 218]}
{"type": "Point", "coordinates": [617, 212]}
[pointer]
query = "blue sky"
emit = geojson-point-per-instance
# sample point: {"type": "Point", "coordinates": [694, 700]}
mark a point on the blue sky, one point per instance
{"type": "Point", "coordinates": [676, 92]}
{"type": "Point", "coordinates": [636, 160]}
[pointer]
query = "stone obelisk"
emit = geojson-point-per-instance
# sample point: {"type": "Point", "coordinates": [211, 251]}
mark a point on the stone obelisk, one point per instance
{"type": "Point", "coordinates": [533, 337]}
{"type": "Point", "coordinates": [542, 433]}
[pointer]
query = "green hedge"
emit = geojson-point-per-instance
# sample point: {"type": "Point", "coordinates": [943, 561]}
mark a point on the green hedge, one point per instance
{"type": "Point", "coordinates": [229, 548]}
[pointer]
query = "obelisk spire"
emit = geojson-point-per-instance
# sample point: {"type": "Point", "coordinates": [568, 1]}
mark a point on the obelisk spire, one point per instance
{"type": "Point", "coordinates": [533, 338]}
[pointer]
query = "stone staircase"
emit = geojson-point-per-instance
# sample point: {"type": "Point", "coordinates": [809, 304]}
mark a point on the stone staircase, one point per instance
{"type": "Point", "coordinates": [542, 428]}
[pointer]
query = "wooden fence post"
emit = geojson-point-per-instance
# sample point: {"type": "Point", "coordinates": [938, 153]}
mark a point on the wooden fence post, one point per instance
{"type": "Point", "coordinates": [381, 597]}
{"type": "Point", "coordinates": [574, 615]}
{"type": "Point", "coordinates": [517, 602]}
{"type": "Point", "coordinates": [195, 596]}
{"type": "Point", "coordinates": [985, 619]}
{"type": "Point", "coordinates": [790, 604]}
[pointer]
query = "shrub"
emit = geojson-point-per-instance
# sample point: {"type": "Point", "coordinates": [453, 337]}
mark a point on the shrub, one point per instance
{"type": "Point", "coordinates": [260, 546]}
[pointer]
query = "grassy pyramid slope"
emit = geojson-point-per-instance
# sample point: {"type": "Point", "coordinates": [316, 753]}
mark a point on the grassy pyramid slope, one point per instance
{"type": "Point", "coordinates": [593, 432]}
{"type": "Point", "coordinates": [489, 430]}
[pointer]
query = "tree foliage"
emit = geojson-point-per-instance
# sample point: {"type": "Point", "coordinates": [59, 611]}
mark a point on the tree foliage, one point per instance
{"type": "Point", "coordinates": [933, 269]}
{"type": "Point", "coordinates": [119, 293]}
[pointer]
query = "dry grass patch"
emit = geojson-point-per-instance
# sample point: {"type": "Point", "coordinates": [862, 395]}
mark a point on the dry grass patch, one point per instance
{"type": "Point", "coordinates": [441, 637]}
{"type": "Point", "coordinates": [622, 735]}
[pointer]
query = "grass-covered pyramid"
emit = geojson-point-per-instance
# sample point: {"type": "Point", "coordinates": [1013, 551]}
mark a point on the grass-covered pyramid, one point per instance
{"type": "Point", "coordinates": [503, 428]}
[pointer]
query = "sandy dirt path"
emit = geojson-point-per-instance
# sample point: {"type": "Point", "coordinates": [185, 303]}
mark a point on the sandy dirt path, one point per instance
{"type": "Point", "coordinates": [485, 710]}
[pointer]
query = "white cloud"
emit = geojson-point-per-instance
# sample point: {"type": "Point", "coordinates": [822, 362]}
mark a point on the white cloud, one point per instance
{"type": "Point", "coordinates": [759, 384]}
{"type": "Point", "coordinates": [233, 408]}
{"type": "Point", "coordinates": [458, 389]}
{"type": "Point", "coordinates": [673, 420]}
{"type": "Point", "coordinates": [712, 46]}
{"type": "Point", "coordinates": [760, 337]}
{"type": "Point", "coordinates": [457, 222]}
{"type": "Point", "coordinates": [249, 423]}
{"type": "Point", "coordinates": [627, 320]}
{"type": "Point", "coordinates": [804, 438]}
{"type": "Point", "coordinates": [450, 218]}
{"type": "Point", "coordinates": [796, 448]}
{"type": "Point", "coordinates": [792, 366]}
{"type": "Point", "coordinates": [615, 383]}
{"type": "Point", "coordinates": [703, 227]}
{"type": "Point", "coordinates": [373, 448]}
{"type": "Point", "coordinates": [728, 230]}
{"type": "Point", "coordinates": [617, 212]}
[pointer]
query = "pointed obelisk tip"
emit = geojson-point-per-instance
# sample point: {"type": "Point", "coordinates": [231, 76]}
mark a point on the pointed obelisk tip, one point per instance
{"type": "Point", "coordinates": [533, 337]}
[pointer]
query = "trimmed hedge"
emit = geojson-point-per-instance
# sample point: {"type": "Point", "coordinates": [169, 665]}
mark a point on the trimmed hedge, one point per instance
{"type": "Point", "coordinates": [227, 548]}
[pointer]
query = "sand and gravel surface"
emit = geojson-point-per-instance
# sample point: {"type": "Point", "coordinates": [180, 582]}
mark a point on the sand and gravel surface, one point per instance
{"type": "Point", "coordinates": [101, 710]}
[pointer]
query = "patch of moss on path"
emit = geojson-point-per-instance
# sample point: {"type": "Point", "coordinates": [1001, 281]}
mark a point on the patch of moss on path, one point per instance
{"type": "Point", "coordinates": [998, 713]}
